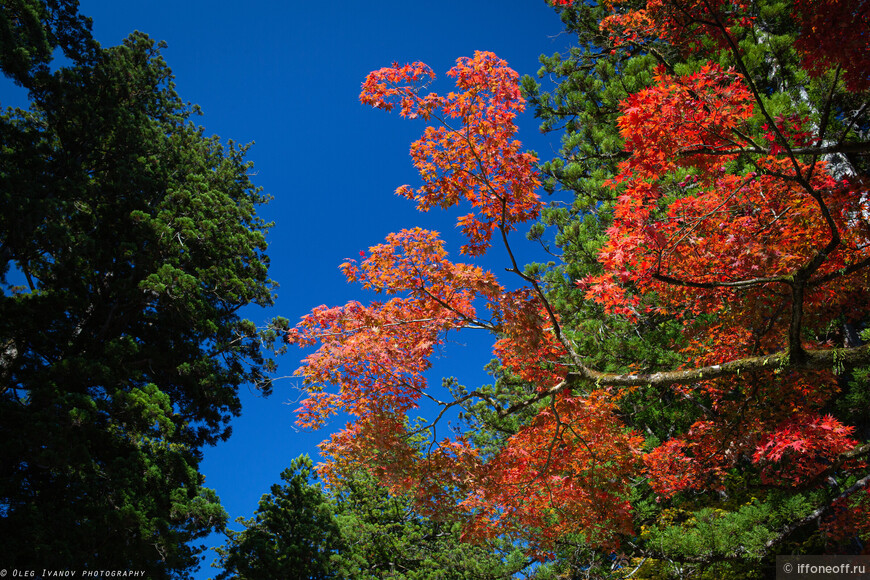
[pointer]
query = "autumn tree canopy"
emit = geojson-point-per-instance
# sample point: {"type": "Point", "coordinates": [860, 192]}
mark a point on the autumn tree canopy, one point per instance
{"type": "Point", "coordinates": [691, 365]}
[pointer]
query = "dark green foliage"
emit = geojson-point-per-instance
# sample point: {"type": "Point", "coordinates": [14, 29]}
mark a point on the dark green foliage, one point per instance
{"type": "Point", "coordinates": [30, 30]}
{"type": "Point", "coordinates": [357, 531]}
{"type": "Point", "coordinates": [129, 242]}
{"type": "Point", "coordinates": [386, 537]}
{"type": "Point", "coordinates": [293, 533]}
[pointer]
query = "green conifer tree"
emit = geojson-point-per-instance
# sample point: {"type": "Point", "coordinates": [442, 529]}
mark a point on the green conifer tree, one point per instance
{"type": "Point", "coordinates": [129, 241]}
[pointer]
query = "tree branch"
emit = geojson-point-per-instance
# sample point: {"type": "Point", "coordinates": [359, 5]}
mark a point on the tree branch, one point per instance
{"type": "Point", "coordinates": [855, 147]}
{"type": "Point", "coordinates": [814, 360]}
{"type": "Point", "coordinates": [814, 515]}
{"type": "Point", "coordinates": [710, 285]}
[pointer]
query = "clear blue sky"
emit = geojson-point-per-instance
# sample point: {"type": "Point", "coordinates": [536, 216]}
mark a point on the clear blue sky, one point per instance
{"type": "Point", "coordinates": [287, 75]}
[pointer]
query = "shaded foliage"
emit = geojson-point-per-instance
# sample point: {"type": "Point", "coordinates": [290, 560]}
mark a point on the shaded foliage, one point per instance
{"type": "Point", "coordinates": [293, 534]}
{"type": "Point", "coordinates": [355, 530]}
{"type": "Point", "coordinates": [129, 242]}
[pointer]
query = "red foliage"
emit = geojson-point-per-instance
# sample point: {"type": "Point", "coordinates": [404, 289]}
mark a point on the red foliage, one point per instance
{"type": "Point", "coordinates": [720, 249]}
{"type": "Point", "coordinates": [802, 447]}
{"type": "Point", "coordinates": [834, 33]}
{"type": "Point", "coordinates": [671, 470]}
{"type": "Point", "coordinates": [565, 472]}
{"type": "Point", "coordinates": [848, 519]}
{"type": "Point", "coordinates": [377, 355]}
{"type": "Point", "coordinates": [724, 250]}
{"type": "Point", "coordinates": [674, 234]}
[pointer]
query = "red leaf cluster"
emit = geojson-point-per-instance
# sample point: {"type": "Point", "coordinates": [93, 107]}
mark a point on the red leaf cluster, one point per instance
{"type": "Point", "coordinates": [472, 156]}
{"type": "Point", "coordinates": [566, 472]}
{"type": "Point", "coordinates": [802, 447]}
{"type": "Point", "coordinates": [834, 33]}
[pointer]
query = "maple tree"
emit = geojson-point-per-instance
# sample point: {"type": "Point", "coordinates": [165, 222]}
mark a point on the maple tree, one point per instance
{"type": "Point", "coordinates": [720, 214]}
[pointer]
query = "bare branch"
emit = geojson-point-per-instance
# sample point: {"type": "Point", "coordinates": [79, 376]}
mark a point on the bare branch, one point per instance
{"type": "Point", "coordinates": [710, 285]}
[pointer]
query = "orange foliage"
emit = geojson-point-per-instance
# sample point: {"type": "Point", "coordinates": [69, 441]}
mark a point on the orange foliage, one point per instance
{"type": "Point", "coordinates": [530, 350]}
{"type": "Point", "coordinates": [479, 161]}
{"type": "Point", "coordinates": [376, 356]}
{"type": "Point", "coordinates": [564, 472]}
{"type": "Point", "coordinates": [441, 476]}
{"type": "Point", "coordinates": [679, 22]}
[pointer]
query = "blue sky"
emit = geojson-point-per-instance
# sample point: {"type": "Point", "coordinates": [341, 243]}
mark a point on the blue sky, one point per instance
{"type": "Point", "coordinates": [286, 75]}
